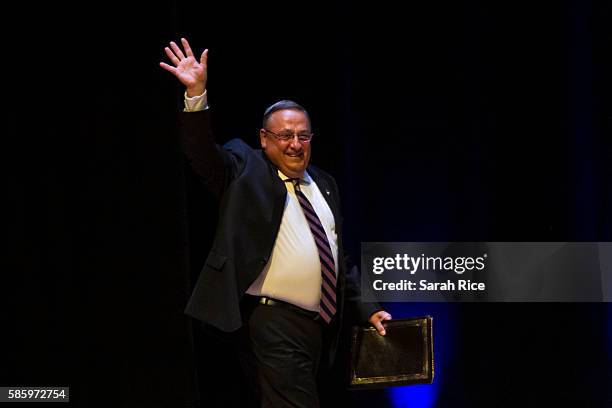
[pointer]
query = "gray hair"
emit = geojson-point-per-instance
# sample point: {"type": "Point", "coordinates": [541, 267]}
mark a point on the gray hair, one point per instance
{"type": "Point", "coordinates": [282, 105]}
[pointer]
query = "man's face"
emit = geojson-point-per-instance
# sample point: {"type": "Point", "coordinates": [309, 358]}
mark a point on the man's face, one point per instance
{"type": "Point", "coordinates": [290, 156]}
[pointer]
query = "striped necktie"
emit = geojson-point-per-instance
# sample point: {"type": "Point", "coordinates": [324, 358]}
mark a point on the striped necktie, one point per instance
{"type": "Point", "coordinates": [327, 306]}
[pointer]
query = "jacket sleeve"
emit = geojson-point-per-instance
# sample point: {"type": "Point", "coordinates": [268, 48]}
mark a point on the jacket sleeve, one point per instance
{"type": "Point", "coordinates": [354, 291]}
{"type": "Point", "coordinates": [214, 165]}
{"type": "Point", "coordinates": [360, 310]}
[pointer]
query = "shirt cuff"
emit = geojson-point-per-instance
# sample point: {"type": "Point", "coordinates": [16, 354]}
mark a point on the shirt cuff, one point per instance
{"type": "Point", "coordinates": [196, 103]}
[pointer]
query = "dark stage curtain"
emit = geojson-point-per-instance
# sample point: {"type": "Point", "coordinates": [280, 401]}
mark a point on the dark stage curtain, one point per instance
{"type": "Point", "coordinates": [471, 121]}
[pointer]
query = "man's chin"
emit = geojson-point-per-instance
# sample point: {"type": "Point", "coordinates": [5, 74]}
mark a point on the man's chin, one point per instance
{"type": "Point", "coordinates": [295, 171]}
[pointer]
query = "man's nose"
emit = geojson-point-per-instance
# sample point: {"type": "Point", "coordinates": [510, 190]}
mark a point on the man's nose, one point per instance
{"type": "Point", "coordinates": [295, 142]}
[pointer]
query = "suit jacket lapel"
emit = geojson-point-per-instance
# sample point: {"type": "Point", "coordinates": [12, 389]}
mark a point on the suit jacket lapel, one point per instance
{"type": "Point", "coordinates": [278, 191]}
{"type": "Point", "coordinates": [326, 190]}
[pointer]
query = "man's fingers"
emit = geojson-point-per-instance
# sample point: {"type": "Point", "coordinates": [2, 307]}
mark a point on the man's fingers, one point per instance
{"type": "Point", "coordinates": [171, 55]}
{"type": "Point", "coordinates": [204, 57]}
{"type": "Point", "coordinates": [177, 50]}
{"type": "Point", "coordinates": [187, 48]}
{"type": "Point", "coordinates": [378, 319]}
{"type": "Point", "coordinates": [380, 328]}
{"type": "Point", "coordinates": [168, 67]}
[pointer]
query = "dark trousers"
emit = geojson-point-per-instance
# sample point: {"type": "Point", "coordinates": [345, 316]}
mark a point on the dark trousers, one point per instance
{"type": "Point", "coordinates": [281, 352]}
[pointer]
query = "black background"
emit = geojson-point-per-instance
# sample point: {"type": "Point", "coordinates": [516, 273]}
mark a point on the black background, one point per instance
{"type": "Point", "coordinates": [441, 122]}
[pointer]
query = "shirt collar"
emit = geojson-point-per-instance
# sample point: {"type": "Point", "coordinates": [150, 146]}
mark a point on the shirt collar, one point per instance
{"type": "Point", "coordinates": [305, 180]}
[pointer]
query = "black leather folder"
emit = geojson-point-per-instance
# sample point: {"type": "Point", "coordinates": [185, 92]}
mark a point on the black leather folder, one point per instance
{"type": "Point", "coordinates": [403, 356]}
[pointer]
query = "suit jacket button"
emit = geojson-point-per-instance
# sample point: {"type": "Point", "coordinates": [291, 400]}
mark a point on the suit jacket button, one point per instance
{"type": "Point", "coordinates": [263, 261]}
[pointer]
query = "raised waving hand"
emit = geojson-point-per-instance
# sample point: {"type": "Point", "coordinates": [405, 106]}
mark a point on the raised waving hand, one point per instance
{"type": "Point", "coordinates": [191, 72]}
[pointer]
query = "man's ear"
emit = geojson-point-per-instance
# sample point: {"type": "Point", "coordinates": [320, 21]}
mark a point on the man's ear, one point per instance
{"type": "Point", "coordinates": [262, 139]}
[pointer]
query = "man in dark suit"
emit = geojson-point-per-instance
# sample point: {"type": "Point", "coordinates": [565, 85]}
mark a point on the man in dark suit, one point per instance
{"type": "Point", "coordinates": [275, 273]}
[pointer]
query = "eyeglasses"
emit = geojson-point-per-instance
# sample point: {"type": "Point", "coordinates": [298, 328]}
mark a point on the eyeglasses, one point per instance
{"type": "Point", "coordinates": [286, 136]}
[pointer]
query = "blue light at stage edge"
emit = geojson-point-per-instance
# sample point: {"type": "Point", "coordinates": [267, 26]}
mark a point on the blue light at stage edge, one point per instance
{"type": "Point", "coordinates": [419, 396]}
{"type": "Point", "coordinates": [425, 395]}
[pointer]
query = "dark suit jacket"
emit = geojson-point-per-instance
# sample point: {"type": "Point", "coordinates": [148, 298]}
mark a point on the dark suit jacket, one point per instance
{"type": "Point", "coordinates": [252, 199]}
